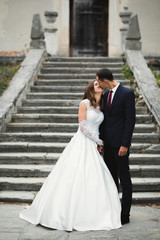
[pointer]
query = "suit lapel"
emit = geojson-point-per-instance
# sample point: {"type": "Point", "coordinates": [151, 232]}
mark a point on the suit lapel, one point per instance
{"type": "Point", "coordinates": [106, 102]}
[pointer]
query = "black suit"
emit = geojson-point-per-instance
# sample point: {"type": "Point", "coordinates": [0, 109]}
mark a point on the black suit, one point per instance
{"type": "Point", "coordinates": [116, 131]}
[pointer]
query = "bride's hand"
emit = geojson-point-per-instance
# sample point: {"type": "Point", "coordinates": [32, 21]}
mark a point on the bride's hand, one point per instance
{"type": "Point", "coordinates": [100, 149]}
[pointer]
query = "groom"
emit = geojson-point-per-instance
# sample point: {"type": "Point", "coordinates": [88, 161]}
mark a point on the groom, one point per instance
{"type": "Point", "coordinates": [116, 131]}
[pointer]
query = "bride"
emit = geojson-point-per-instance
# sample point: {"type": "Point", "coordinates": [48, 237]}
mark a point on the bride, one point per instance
{"type": "Point", "coordinates": [79, 193]}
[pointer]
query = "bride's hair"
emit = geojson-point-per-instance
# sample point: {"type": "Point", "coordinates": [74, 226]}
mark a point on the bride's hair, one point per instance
{"type": "Point", "coordinates": [90, 94]}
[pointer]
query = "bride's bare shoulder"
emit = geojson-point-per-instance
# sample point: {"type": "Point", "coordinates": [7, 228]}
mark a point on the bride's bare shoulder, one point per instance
{"type": "Point", "coordinates": [85, 101]}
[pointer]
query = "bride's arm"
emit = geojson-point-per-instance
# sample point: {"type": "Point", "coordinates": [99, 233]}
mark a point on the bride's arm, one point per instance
{"type": "Point", "coordinates": [82, 111]}
{"type": "Point", "coordinates": [83, 125]}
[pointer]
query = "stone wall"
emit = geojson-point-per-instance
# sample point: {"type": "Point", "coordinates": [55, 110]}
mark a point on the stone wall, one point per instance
{"type": "Point", "coordinates": [149, 20]}
{"type": "Point", "coordinates": [19, 85]}
{"type": "Point", "coordinates": [16, 20]}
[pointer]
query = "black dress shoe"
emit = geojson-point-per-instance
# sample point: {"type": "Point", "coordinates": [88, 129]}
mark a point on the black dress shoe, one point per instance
{"type": "Point", "coordinates": [125, 220]}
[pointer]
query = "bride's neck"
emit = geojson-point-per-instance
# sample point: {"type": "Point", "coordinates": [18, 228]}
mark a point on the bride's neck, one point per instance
{"type": "Point", "coordinates": [97, 97]}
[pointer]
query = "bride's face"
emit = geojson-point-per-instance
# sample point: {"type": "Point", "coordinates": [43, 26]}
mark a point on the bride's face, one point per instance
{"type": "Point", "coordinates": [97, 88]}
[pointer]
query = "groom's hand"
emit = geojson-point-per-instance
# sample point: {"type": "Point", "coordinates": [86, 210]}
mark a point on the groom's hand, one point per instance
{"type": "Point", "coordinates": [122, 151]}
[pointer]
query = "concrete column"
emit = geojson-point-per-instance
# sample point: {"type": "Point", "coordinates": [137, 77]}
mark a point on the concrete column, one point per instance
{"type": "Point", "coordinates": [114, 35]}
{"type": "Point", "coordinates": [37, 33]}
{"type": "Point", "coordinates": [125, 15]}
{"type": "Point", "coordinates": [133, 34]}
{"type": "Point", "coordinates": [51, 33]}
{"type": "Point", "coordinates": [64, 24]}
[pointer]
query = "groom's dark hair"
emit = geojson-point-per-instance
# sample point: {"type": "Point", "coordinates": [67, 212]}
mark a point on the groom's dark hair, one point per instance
{"type": "Point", "coordinates": [104, 73]}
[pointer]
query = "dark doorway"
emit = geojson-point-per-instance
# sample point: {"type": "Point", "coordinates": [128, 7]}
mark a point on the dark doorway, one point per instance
{"type": "Point", "coordinates": [88, 27]}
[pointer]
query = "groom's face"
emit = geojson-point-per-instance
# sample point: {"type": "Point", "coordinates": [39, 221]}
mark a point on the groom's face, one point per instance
{"type": "Point", "coordinates": [103, 84]}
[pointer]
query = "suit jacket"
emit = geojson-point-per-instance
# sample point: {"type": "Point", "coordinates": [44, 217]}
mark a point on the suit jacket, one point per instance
{"type": "Point", "coordinates": [118, 125]}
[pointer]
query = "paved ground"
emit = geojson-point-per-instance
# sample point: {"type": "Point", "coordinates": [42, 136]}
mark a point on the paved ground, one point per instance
{"type": "Point", "coordinates": [144, 225]}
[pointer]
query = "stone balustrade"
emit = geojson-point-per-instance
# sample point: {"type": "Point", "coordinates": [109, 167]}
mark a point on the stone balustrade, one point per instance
{"type": "Point", "coordinates": [20, 83]}
{"type": "Point", "coordinates": [142, 73]}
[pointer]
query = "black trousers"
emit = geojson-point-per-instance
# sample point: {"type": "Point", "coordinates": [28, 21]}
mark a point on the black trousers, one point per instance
{"type": "Point", "coordinates": [119, 168]}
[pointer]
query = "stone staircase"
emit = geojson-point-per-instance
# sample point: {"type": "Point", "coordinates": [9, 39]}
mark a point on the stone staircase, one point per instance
{"type": "Point", "coordinates": [47, 120]}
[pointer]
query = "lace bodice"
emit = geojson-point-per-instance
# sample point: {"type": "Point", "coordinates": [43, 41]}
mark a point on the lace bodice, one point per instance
{"type": "Point", "coordinates": [90, 126]}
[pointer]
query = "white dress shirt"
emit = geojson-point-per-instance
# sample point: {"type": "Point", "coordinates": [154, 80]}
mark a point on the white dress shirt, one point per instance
{"type": "Point", "coordinates": [114, 91]}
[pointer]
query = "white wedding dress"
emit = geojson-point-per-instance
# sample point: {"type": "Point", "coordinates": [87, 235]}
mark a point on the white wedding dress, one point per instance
{"type": "Point", "coordinates": [79, 193]}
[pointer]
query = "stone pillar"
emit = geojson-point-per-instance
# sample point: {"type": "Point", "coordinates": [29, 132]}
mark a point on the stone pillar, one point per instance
{"type": "Point", "coordinates": [125, 15]}
{"type": "Point", "coordinates": [133, 34]}
{"type": "Point", "coordinates": [37, 33]}
{"type": "Point", "coordinates": [51, 33]}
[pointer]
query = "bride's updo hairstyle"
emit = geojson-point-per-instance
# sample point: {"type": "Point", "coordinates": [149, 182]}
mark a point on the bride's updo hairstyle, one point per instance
{"type": "Point", "coordinates": [90, 94]}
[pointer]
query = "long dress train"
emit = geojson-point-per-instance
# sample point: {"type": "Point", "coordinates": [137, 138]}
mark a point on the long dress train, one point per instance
{"type": "Point", "coordinates": [79, 193]}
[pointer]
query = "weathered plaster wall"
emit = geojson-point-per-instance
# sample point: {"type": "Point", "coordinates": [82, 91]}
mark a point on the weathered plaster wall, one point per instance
{"type": "Point", "coordinates": [149, 20]}
{"type": "Point", "coordinates": [16, 20]}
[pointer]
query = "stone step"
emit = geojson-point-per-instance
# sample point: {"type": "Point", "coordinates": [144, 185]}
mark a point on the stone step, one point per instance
{"type": "Point", "coordinates": [48, 118]}
{"type": "Point", "coordinates": [21, 184]}
{"type": "Point", "coordinates": [146, 184]}
{"type": "Point", "coordinates": [64, 110]}
{"type": "Point", "coordinates": [75, 70]}
{"type": "Point", "coordinates": [7, 170]}
{"type": "Point", "coordinates": [154, 148]}
{"type": "Point", "coordinates": [16, 171]}
{"type": "Point", "coordinates": [147, 171]}
{"type": "Point", "coordinates": [144, 118]}
{"type": "Point", "coordinates": [141, 110]}
{"type": "Point", "coordinates": [64, 118]}
{"type": "Point", "coordinates": [29, 158]}
{"type": "Point", "coordinates": [28, 196]}
{"type": "Point", "coordinates": [66, 76]}
{"type": "Point", "coordinates": [63, 104]}
{"type": "Point", "coordinates": [51, 158]}
{"type": "Point", "coordinates": [146, 138]}
{"type": "Point", "coordinates": [62, 89]}
{"type": "Point", "coordinates": [32, 147]}
{"type": "Point", "coordinates": [17, 196]}
{"type": "Point", "coordinates": [53, 147]}
{"type": "Point", "coordinates": [36, 137]}
{"type": "Point", "coordinates": [145, 159]}
{"type": "Point", "coordinates": [34, 184]}
{"type": "Point", "coordinates": [49, 110]}
{"type": "Point", "coordinates": [55, 95]}
{"type": "Point", "coordinates": [66, 127]}
{"type": "Point", "coordinates": [65, 137]}
{"type": "Point", "coordinates": [70, 82]}
{"type": "Point", "coordinates": [85, 59]}
{"type": "Point", "coordinates": [53, 102]}
{"type": "Point", "coordinates": [146, 198]}
{"type": "Point", "coordinates": [80, 64]}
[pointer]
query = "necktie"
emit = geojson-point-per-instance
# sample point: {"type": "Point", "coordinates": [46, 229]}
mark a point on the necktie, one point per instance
{"type": "Point", "coordinates": [109, 99]}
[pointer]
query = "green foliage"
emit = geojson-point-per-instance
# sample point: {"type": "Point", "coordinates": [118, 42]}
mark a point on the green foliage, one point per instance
{"type": "Point", "coordinates": [3, 86]}
{"type": "Point", "coordinates": [157, 76]}
{"type": "Point", "coordinates": [6, 74]}
{"type": "Point", "coordinates": [122, 55]}
{"type": "Point", "coordinates": [127, 72]}
{"type": "Point", "coordinates": [129, 75]}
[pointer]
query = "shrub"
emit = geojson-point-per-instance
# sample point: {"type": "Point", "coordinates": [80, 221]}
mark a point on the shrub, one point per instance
{"type": "Point", "coordinates": [127, 72]}
{"type": "Point", "coordinates": [6, 74]}
{"type": "Point", "coordinates": [157, 76]}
